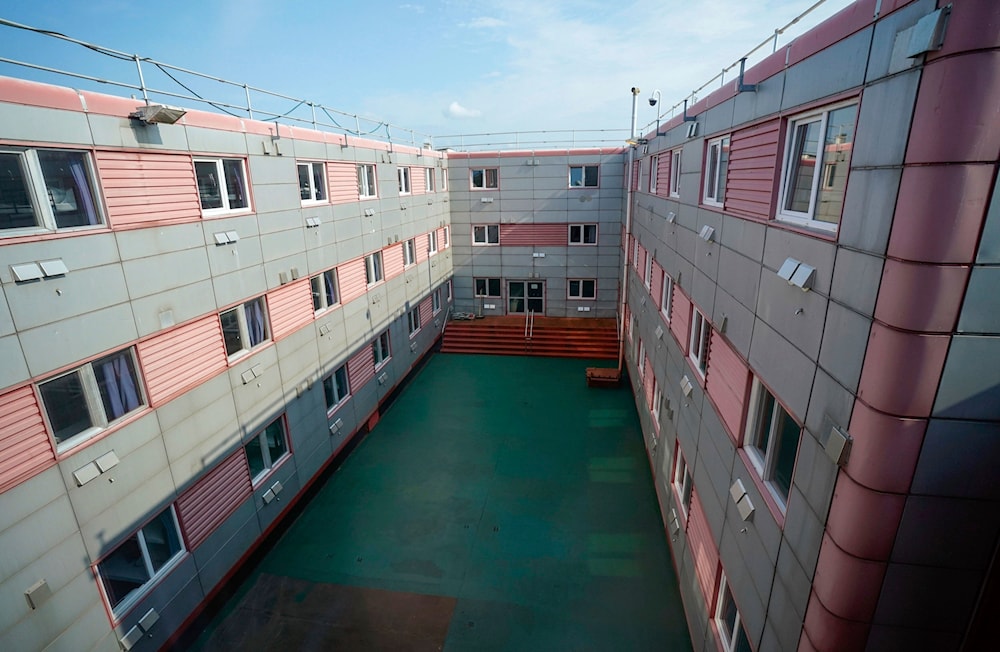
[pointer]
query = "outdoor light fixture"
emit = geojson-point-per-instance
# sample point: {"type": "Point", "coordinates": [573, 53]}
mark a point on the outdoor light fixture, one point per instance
{"type": "Point", "coordinates": [158, 114]}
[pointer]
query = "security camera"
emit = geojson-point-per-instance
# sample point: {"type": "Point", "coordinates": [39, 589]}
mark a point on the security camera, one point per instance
{"type": "Point", "coordinates": [654, 97]}
{"type": "Point", "coordinates": [652, 101]}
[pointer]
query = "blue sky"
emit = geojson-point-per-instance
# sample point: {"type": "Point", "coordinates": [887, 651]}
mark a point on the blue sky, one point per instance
{"type": "Point", "coordinates": [435, 66]}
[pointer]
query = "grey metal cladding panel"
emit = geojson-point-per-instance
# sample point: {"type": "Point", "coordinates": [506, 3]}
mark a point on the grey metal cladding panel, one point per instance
{"type": "Point", "coordinates": [6, 321]}
{"type": "Point", "coordinates": [237, 286]}
{"type": "Point", "coordinates": [989, 245]}
{"type": "Point", "coordinates": [145, 276]}
{"type": "Point", "coordinates": [142, 243]}
{"type": "Point", "coordinates": [286, 240]}
{"type": "Point", "coordinates": [965, 532]}
{"type": "Point", "coordinates": [781, 244]}
{"type": "Point", "coordinates": [120, 131]}
{"type": "Point", "coordinates": [79, 252]}
{"type": "Point", "coordinates": [220, 551]}
{"type": "Point", "coordinates": [242, 255]}
{"type": "Point", "coordinates": [837, 68]}
{"type": "Point", "coordinates": [285, 474]}
{"type": "Point", "coordinates": [797, 582]}
{"type": "Point", "coordinates": [913, 596]}
{"type": "Point", "coordinates": [748, 573]}
{"type": "Point", "coordinates": [298, 358]}
{"type": "Point", "coordinates": [349, 247]}
{"type": "Point", "coordinates": [276, 198]}
{"type": "Point", "coordinates": [981, 306]}
{"type": "Point", "coordinates": [744, 236]}
{"type": "Point", "coordinates": [719, 118]}
{"type": "Point", "coordinates": [845, 341]}
{"type": "Point", "coordinates": [869, 206]}
{"type": "Point", "coordinates": [47, 628]}
{"type": "Point", "coordinates": [802, 536]}
{"type": "Point", "coordinates": [197, 444]}
{"type": "Point", "coordinates": [739, 276]}
{"type": "Point", "coordinates": [58, 345]}
{"type": "Point", "coordinates": [799, 316]}
{"type": "Point", "coordinates": [78, 293]}
{"type": "Point", "coordinates": [739, 321]}
{"type": "Point", "coordinates": [783, 368]}
{"type": "Point", "coordinates": [202, 139]}
{"type": "Point", "coordinates": [14, 368]}
{"type": "Point", "coordinates": [260, 401]}
{"type": "Point", "coordinates": [970, 384]}
{"type": "Point", "coordinates": [703, 293]}
{"type": "Point", "coordinates": [884, 121]}
{"type": "Point", "coordinates": [764, 101]}
{"type": "Point", "coordinates": [310, 149]}
{"type": "Point", "coordinates": [887, 37]}
{"type": "Point", "coordinates": [784, 621]}
{"type": "Point", "coordinates": [35, 124]}
{"type": "Point", "coordinates": [175, 597]}
{"type": "Point", "coordinates": [829, 404]}
{"type": "Point", "coordinates": [105, 530]}
{"type": "Point", "coordinates": [29, 539]}
{"type": "Point", "coordinates": [815, 476]}
{"type": "Point", "coordinates": [959, 459]}
{"type": "Point", "coordinates": [856, 279]}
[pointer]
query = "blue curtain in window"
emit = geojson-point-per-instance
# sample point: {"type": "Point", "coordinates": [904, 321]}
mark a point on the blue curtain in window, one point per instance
{"type": "Point", "coordinates": [79, 173]}
{"type": "Point", "coordinates": [255, 322]}
{"type": "Point", "coordinates": [119, 384]}
{"type": "Point", "coordinates": [331, 298]}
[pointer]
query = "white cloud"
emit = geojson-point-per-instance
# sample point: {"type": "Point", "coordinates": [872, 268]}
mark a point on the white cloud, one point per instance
{"type": "Point", "coordinates": [484, 22]}
{"type": "Point", "coordinates": [456, 110]}
{"type": "Point", "coordinates": [417, 8]}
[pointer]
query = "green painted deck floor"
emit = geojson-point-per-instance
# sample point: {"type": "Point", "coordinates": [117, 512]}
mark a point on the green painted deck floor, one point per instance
{"type": "Point", "coordinates": [500, 504]}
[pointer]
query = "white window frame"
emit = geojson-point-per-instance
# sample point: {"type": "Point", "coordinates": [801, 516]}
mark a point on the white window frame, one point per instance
{"type": "Point", "coordinates": [729, 639]}
{"type": "Point", "coordinates": [410, 252]}
{"type": "Point", "coordinates": [311, 168]}
{"type": "Point", "coordinates": [485, 235]}
{"type": "Point", "coordinates": [269, 464]}
{"type": "Point", "coordinates": [432, 243]}
{"type": "Point", "coordinates": [765, 459]}
{"type": "Point", "coordinates": [666, 296]}
{"type": "Point", "coordinates": [321, 300]}
{"type": "Point", "coordinates": [447, 293]}
{"type": "Point", "coordinates": [90, 389]}
{"type": "Point", "coordinates": [583, 176]}
{"type": "Point", "coordinates": [701, 333]}
{"type": "Point", "coordinates": [43, 199]}
{"type": "Point", "coordinates": [381, 349]}
{"type": "Point", "coordinates": [444, 179]}
{"type": "Point", "coordinates": [654, 163]}
{"type": "Point", "coordinates": [224, 186]}
{"type": "Point", "coordinates": [429, 179]}
{"type": "Point", "coordinates": [413, 322]}
{"type": "Point", "coordinates": [581, 294]}
{"type": "Point", "coordinates": [647, 274]}
{"type": "Point", "coordinates": [822, 116]}
{"type": "Point", "coordinates": [640, 357]}
{"type": "Point", "coordinates": [715, 184]}
{"type": "Point", "coordinates": [244, 328]}
{"type": "Point", "coordinates": [447, 238]}
{"type": "Point", "coordinates": [486, 282]}
{"type": "Point", "coordinates": [404, 180]}
{"type": "Point", "coordinates": [675, 173]}
{"type": "Point", "coordinates": [374, 271]}
{"type": "Point", "coordinates": [577, 234]}
{"type": "Point", "coordinates": [657, 400]}
{"type": "Point", "coordinates": [134, 596]}
{"type": "Point", "coordinates": [485, 177]}
{"type": "Point", "coordinates": [436, 301]}
{"type": "Point", "coordinates": [683, 482]}
{"type": "Point", "coordinates": [367, 181]}
{"type": "Point", "coordinates": [338, 398]}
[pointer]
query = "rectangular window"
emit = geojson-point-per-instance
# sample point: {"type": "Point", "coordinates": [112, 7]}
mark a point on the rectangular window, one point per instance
{"type": "Point", "coordinates": [655, 407]}
{"type": "Point", "coordinates": [222, 185]}
{"type": "Point", "coordinates": [312, 182]}
{"type": "Point", "coordinates": [583, 176]}
{"type": "Point", "coordinates": [447, 237]}
{"type": "Point", "coordinates": [432, 243]}
{"type": "Point", "coordinates": [244, 327]}
{"type": "Point", "coordinates": [701, 330]}
{"type": "Point", "coordinates": [647, 274]}
{"type": "Point", "coordinates": [484, 178]}
{"type": "Point", "coordinates": [814, 174]}
{"type": "Point", "coordinates": [675, 173]}
{"type": "Point", "coordinates": [429, 179]}
{"type": "Point", "coordinates": [436, 301]}
{"type": "Point", "coordinates": [86, 400]}
{"type": "Point", "coordinates": [335, 388]}
{"type": "Point", "coordinates": [727, 619]}
{"type": "Point", "coordinates": [366, 181]}
{"type": "Point", "coordinates": [413, 321]}
{"type": "Point", "coordinates": [324, 290]}
{"type": "Point", "coordinates": [640, 356]}
{"type": "Point", "coordinates": [683, 483]}
{"type": "Point", "coordinates": [132, 567]}
{"type": "Point", "coordinates": [488, 287]}
{"type": "Point", "coordinates": [486, 234]}
{"type": "Point", "coordinates": [582, 288]}
{"type": "Point", "coordinates": [716, 169]}
{"type": "Point", "coordinates": [654, 162]}
{"type": "Point", "coordinates": [409, 252]}
{"type": "Point", "coordinates": [266, 449]}
{"type": "Point", "coordinates": [380, 349]}
{"type": "Point", "coordinates": [447, 290]}
{"type": "Point", "coordinates": [582, 234]}
{"type": "Point", "coordinates": [47, 189]}
{"type": "Point", "coordinates": [404, 180]}
{"type": "Point", "coordinates": [373, 268]}
{"type": "Point", "coordinates": [666, 296]}
{"type": "Point", "coordinates": [444, 180]}
{"type": "Point", "coordinates": [772, 442]}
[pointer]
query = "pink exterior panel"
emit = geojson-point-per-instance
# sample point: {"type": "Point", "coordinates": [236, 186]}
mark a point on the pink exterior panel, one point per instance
{"type": "Point", "coordinates": [207, 503]}
{"type": "Point", "coordinates": [647, 382]}
{"type": "Point", "coordinates": [839, 26]}
{"type": "Point", "coordinates": [426, 312]}
{"type": "Point", "coordinates": [343, 180]}
{"type": "Point", "coordinates": [972, 25]}
{"type": "Point", "coordinates": [863, 522]}
{"type": "Point", "coordinates": [351, 276]}
{"type": "Point", "coordinates": [703, 550]}
{"type": "Point", "coordinates": [901, 371]}
{"type": "Point", "coordinates": [656, 287]}
{"type": "Point", "coordinates": [885, 449]}
{"type": "Point", "coordinates": [940, 212]}
{"type": "Point", "coordinates": [19, 91]}
{"type": "Point", "coordinates": [627, 320]}
{"type": "Point", "coordinates": [423, 242]}
{"type": "Point", "coordinates": [663, 174]}
{"type": "Point", "coordinates": [27, 449]}
{"type": "Point", "coordinates": [680, 318]}
{"type": "Point", "coordinates": [847, 586]}
{"type": "Point", "coordinates": [640, 261]}
{"type": "Point", "coordinates": [727, 381]}
{"type": "Point", "coordinates": [527, 235]}
{"type": "Point", "coordinates": [176, 360]}
{"type": "Point", "coordinates": [289, 308]}
{"type": "Point", "coordinates": [392, 259]}
{"type": "Point", "coordinates": [440, 237]}
{"type": "Point", "coordinates": [418, 180]}
{"type": "Point", "coordinates": [939, 287]}
{"type": "Point", "coordinates": [826, 632]}
{"type": "Point", "coordinates": [144, 189]}
{"type": "Point", "coordinates": [361, 368]}
{"type": "Point", "coordinates": [753, 159]}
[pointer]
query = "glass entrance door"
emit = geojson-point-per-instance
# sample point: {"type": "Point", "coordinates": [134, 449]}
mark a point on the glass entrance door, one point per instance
{"type": "Point", "coordinates": [525, 296]}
